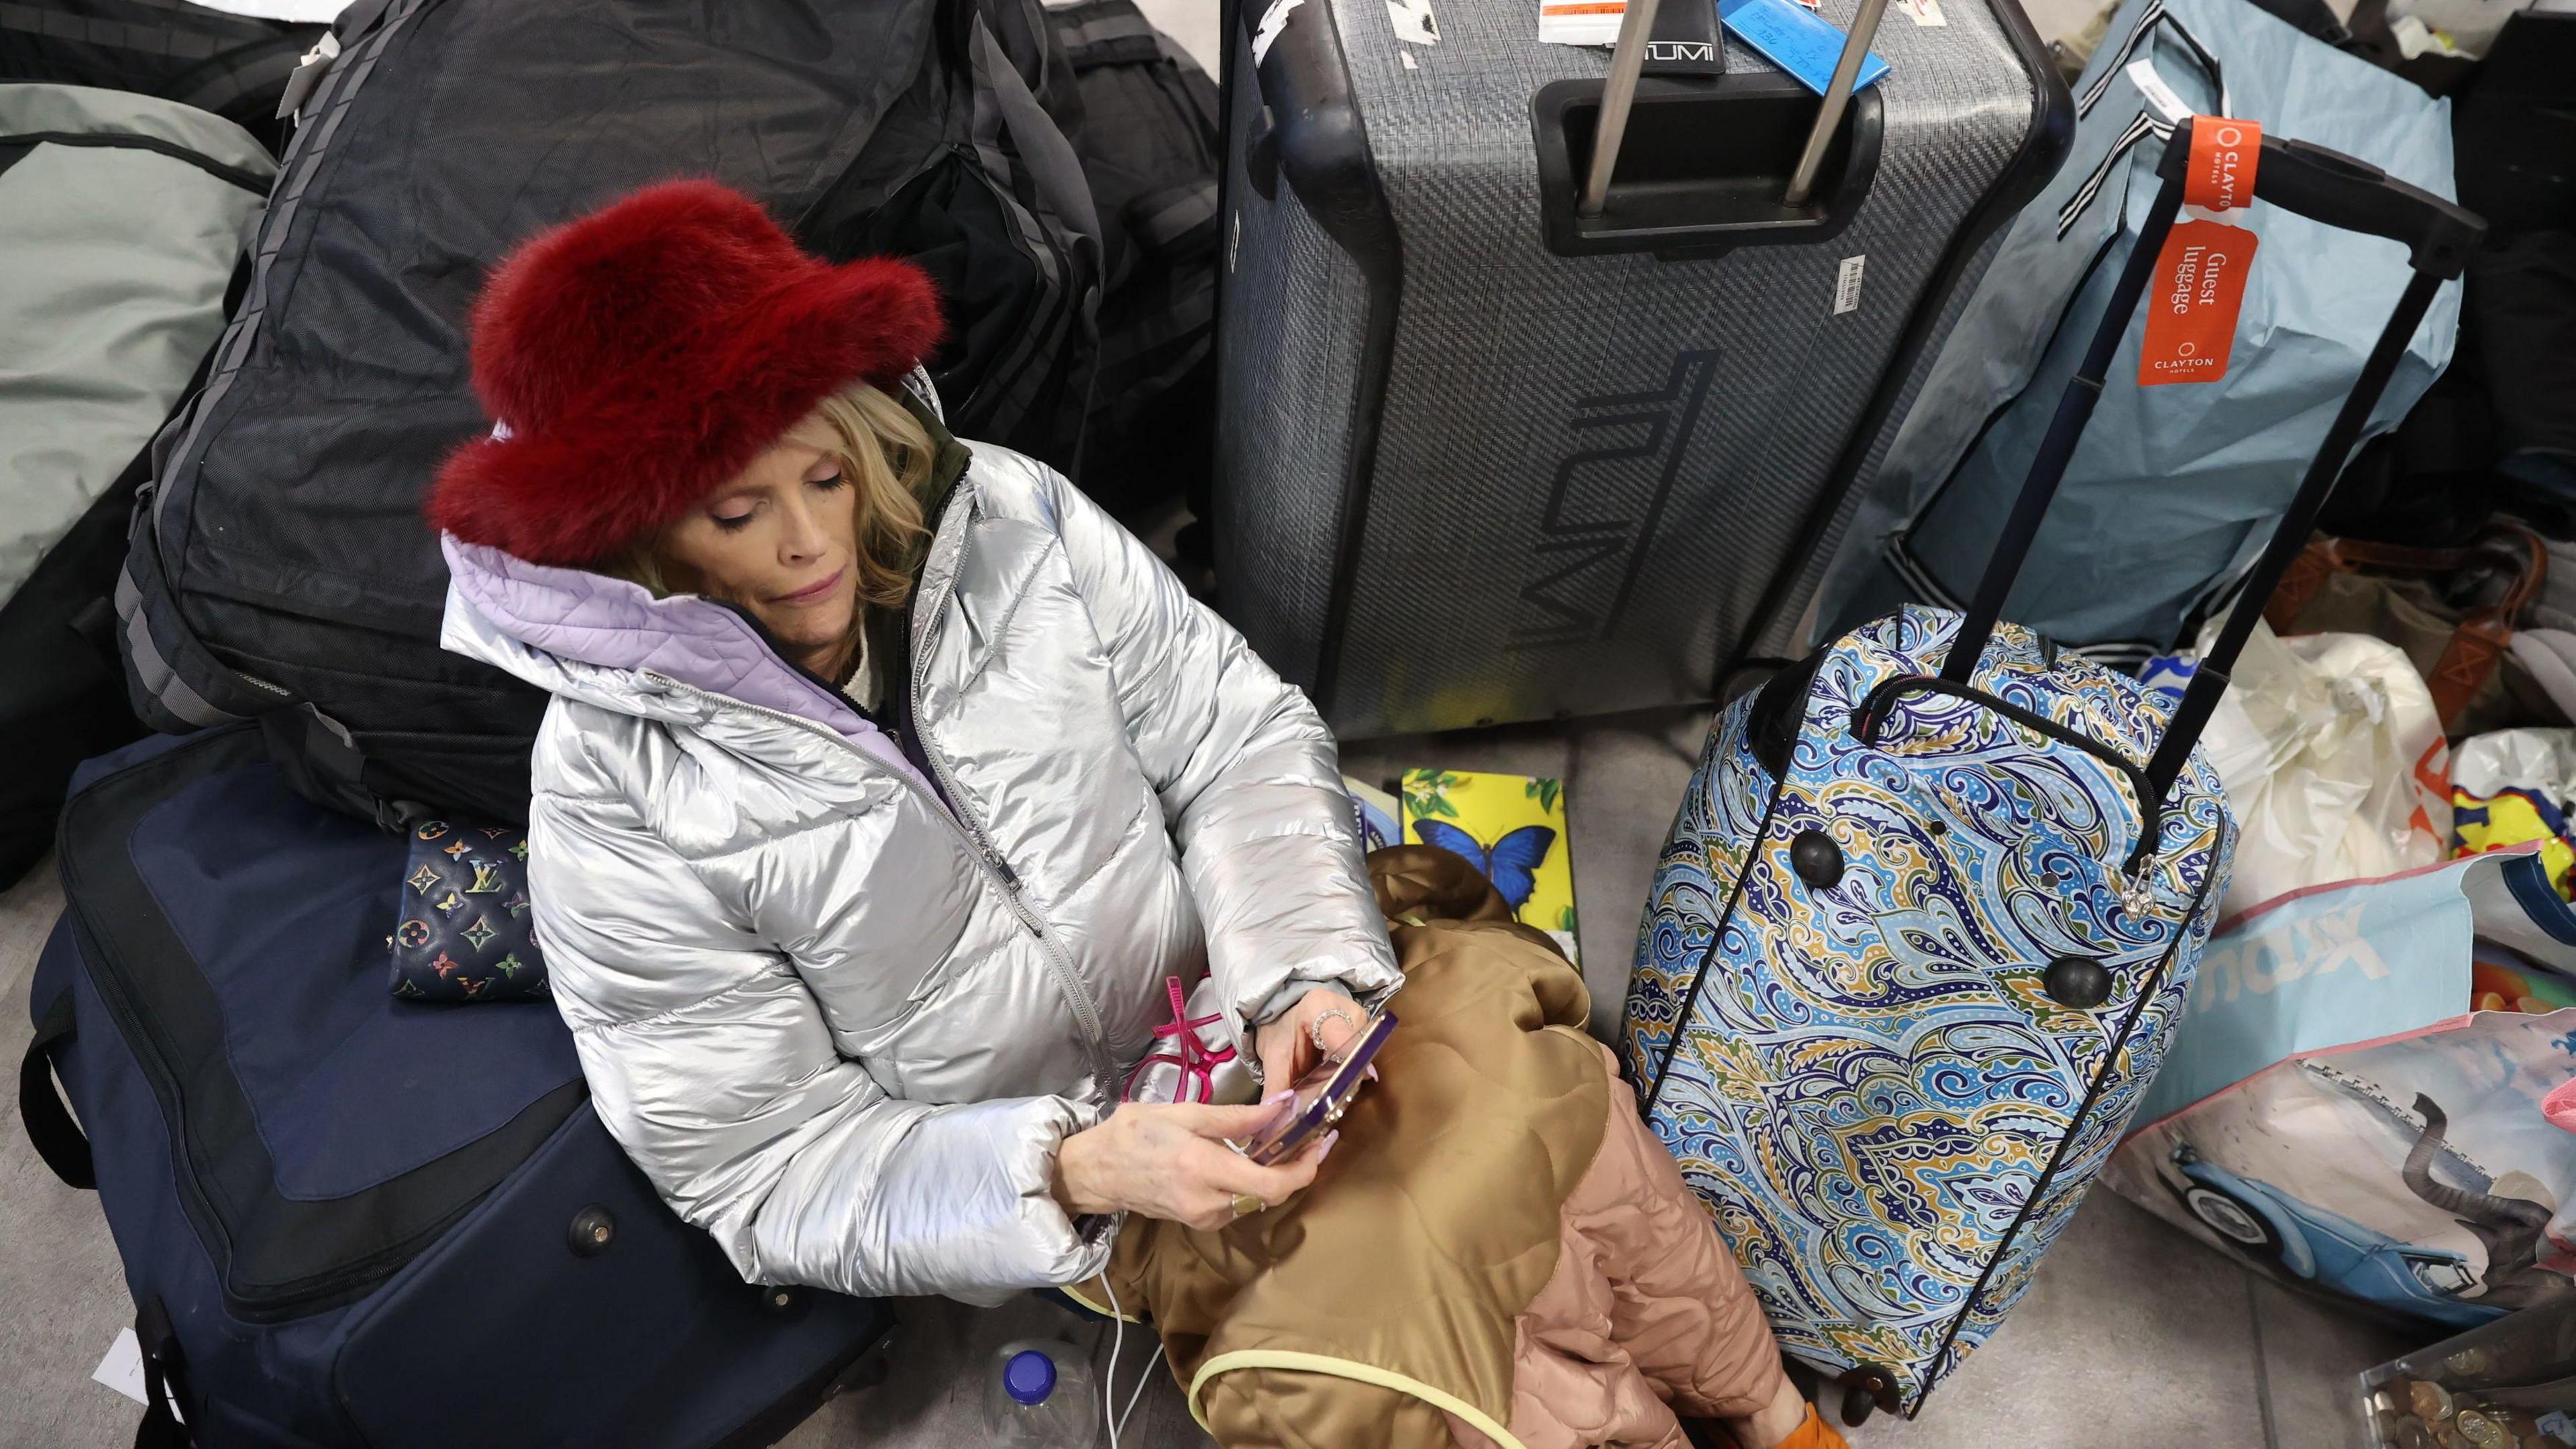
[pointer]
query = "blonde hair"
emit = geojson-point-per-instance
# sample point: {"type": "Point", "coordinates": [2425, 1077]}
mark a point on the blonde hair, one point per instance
{"type": "Point", "coordinates": [885, 454]}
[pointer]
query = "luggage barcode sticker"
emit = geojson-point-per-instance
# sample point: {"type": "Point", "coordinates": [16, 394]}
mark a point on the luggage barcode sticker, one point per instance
{"type": "Point", "coordinates": [1580, 22]}
{"type": "Point", "coordinates": [1847, 284]}
{"type": "Point", "coordinates": [2150, 82]}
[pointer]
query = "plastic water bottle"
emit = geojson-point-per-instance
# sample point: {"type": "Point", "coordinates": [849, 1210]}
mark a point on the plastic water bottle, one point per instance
{"type": "Point", "coordinates": [1041, 1397]}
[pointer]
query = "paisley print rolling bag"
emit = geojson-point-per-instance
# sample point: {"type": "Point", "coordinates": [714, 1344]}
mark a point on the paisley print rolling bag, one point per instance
{"type": "Point", "coordinates": [1934, 898]}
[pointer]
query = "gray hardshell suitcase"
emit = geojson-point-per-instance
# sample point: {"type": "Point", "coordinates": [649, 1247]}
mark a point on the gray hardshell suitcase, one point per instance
{"type": "Point", "coordinates": [1481, 459]}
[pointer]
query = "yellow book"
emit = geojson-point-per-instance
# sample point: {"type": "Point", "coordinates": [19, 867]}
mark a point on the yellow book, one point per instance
{"type": "Point", "coordinates": [1511, 827]}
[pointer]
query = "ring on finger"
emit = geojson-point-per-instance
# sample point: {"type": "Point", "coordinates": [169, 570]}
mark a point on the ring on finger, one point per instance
{"type": "Point", "coordinates": [1246, 1204]}
{"type": "Point", "coordinates": [1315, 1028]}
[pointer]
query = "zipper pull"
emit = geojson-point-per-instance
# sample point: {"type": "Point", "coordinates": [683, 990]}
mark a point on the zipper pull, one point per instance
{"type": "Point", "coordinates": [1010, 877]}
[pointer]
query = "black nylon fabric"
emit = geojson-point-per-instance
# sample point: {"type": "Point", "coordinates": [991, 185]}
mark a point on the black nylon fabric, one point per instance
{"type": "Point", "coordinates": [180, 915]}
{"type": "Point", "coordinates": [2510, 391]}
{"type": "Point", "coordinates": [60, 699]}
{"type": "Point", "coordinates": [1013, 370]}
{"type": "Point", "coordinates": [287, 552]}
{"type": "Point", "coordinates": [1146, 133]}
{"type": "Point", "coordinates": [232, 65]}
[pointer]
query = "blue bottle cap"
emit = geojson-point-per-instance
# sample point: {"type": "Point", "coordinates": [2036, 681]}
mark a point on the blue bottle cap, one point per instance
{"type": "Point", "coordinates": [1029, 1377]}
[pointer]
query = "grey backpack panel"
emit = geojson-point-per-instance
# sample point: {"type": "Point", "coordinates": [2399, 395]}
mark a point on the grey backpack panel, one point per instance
{"type": "Point", "coordinates": [120, 216]}
{"type": "Point", "coordinates": [1146, 133]}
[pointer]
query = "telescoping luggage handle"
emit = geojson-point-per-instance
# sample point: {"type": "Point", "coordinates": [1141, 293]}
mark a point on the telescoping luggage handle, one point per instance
{"type": "Point", "coordinates": [2324, 186]}
{"type": "Point", "coordinates": [1628, 62]}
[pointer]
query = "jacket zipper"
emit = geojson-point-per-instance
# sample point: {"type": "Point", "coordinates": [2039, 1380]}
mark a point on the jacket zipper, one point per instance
{"type": "Point", "coordinates": [987, 858]}
{"type": "Point", "coordinates": [1070, 980]}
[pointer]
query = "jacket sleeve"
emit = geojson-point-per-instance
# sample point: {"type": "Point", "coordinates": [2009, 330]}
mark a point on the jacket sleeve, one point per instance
{"type": "Point", "coordinates": [1249, 777]}
{"type": "Point", "coordinates": [710, 1063]}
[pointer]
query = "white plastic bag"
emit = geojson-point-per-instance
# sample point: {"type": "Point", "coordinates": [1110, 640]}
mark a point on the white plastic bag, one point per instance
{"type": "Point", "coordinates": [2334, 764]}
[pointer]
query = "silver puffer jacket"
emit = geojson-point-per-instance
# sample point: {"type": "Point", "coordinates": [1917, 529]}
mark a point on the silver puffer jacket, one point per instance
{"type": "Point", "coordinates": [841, 1000]}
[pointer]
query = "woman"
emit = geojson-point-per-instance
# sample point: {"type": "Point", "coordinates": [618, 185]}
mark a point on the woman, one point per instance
{"type": "Point", "coordinates": [886, 779]}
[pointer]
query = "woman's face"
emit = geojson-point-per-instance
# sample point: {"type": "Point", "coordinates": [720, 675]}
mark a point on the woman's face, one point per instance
{"type": "Point", "coordinates": [780, 540]}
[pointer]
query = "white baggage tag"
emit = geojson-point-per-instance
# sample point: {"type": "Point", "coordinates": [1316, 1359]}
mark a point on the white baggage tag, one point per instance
{"type": "Point", "coordinates": [1847, 283]}
{"type": "Point", "coordinates": [1580, 22]}
{"type": "Point", "coordinates": [2168, 104]}
{"type": "Point", "coordinates": [122, 1370]}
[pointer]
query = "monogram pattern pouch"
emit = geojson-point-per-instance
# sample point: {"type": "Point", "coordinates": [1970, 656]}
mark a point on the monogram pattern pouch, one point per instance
{"type": "Point", "coordinates": [463, 932]}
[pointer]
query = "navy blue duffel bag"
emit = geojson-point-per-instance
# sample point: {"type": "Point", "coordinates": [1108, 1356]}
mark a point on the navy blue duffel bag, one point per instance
{"type": "Point", "coordinates": [348, 1219]}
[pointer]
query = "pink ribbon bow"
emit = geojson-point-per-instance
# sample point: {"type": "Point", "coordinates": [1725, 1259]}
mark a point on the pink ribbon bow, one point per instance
{"type": "Point", "coordinates": [1196, 1062]}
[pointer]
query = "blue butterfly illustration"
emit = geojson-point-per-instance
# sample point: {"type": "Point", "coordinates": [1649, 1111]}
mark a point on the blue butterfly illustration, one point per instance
{"type": "Point", "coordinates": [1511, 863]}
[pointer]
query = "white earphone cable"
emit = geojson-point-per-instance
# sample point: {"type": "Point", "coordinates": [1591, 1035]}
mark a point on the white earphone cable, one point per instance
{"type": "Point", "coordinates": [1142, 1380]}
{"type": "Point", "coordinates": [1109, 1376]}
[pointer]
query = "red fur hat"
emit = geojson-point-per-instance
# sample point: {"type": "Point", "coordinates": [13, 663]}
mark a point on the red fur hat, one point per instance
{"type": "Point", "coordinates": [635, 358]}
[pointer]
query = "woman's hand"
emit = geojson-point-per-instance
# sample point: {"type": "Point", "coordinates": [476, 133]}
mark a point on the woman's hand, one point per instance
{"type": "Point", "coordinates": [1286, 1045]}
{"type": "Point", "coordinates": [1169, 1160]}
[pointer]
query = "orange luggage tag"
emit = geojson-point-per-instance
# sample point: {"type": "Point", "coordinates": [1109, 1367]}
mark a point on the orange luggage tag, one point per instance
{"type": "Point", "coordinates": [2200, 273]}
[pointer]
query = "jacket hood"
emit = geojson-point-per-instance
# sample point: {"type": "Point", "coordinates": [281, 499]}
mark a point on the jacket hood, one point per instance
{"type": "Point", "coordinates": [609, 642]}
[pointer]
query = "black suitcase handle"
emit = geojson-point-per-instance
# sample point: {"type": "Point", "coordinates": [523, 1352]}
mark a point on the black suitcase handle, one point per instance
{"type": "Point", "coordinates": [57, 1138]}
{"type": "Point", "coordinates": [2343, 191]}
{"type": "Point", "coordinates": [2324, 186]}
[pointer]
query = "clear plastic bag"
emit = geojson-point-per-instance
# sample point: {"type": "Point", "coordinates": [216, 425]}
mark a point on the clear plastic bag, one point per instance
{"type": "Point", "coordinates": [2334, 763]}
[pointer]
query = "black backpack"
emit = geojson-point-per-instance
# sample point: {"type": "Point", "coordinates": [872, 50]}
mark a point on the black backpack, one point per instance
{"type": "Point", "coordinates": [1142, 116]}
{"type": "Point", "coordinates": [279, 567]}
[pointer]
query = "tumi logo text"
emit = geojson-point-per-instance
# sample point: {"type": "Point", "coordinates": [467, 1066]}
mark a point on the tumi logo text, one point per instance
{"type": "Point", "coordinates": [1604, 503]}
{"type": "Point", "coordinates": [1670, 51]}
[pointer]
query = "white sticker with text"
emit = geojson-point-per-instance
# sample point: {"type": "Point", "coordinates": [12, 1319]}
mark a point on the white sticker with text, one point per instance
{"type": "Point", "coordinates": [1847, 284]}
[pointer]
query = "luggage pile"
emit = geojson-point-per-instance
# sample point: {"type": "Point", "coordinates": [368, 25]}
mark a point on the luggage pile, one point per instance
{"type": "Point", "coordinates": [252, 343]}
{"type": "Point", "coordinates": [2359, 1102]}
{"type": "Point", "coordinates": [2129, 751]}
{"type": "Point", "coordinates": [1932, 907]}
{"type": "Point", "coordinates": [279, 570]}
{"type": "Point", "coordinates": [1957, 916]}
{"type": "Point", "coordinates": [1479, 466]}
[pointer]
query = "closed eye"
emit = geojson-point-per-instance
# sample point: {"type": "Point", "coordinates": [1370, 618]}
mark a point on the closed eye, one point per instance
{"type": "Point", "coordinates": [827, 484]}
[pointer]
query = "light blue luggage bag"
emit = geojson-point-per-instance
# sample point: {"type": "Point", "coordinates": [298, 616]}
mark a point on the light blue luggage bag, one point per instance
{"type": "Point", "coordinates": [2174, 487]}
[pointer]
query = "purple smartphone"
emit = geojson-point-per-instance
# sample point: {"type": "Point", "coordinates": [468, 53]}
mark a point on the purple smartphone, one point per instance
{"type": "Point", "coordinates": [1322, 1095]}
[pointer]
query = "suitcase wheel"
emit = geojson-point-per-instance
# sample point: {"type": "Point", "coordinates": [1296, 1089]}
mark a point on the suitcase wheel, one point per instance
{"type": "Point", "coordinates": [1866, 1390]}
{"type": "Point", "coordinates": [590, 1231]}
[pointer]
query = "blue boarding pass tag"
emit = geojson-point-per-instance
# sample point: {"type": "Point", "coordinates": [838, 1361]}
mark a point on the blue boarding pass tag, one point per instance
{"type": "Point", "coordinates": [1796, 39]}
